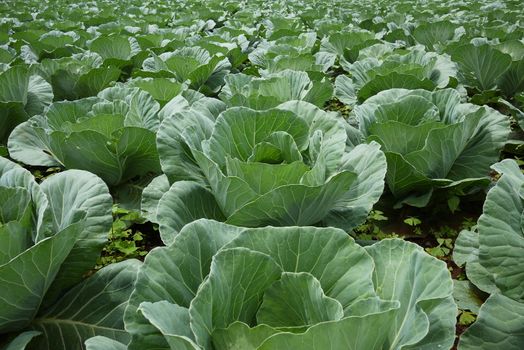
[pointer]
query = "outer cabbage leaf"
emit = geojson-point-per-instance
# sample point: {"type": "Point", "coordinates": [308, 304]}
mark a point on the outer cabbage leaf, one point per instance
{"type": "Point", "coordinates": [493, 253]}
{"type": "Point", "coordinates": [119, 51]}
{"type": "Point", "coordinates": [21, 341]}
{"type": "Point", "coordinates": [499, 325]}
{"type": "Point", "coordinates": [24, 290]}
{"type": "Point", "coordinates": [93, 307]}
{"type": "Point", "coordinates": [512, 81]}
{"type": "Point", "coordinates": [435, 35]}
{"type": "Point", "coordinates": [480, 66]}
{"type": "Point", "coordinates": [493, 258]}
{"type": "Point", "coordinates": [103, 343]}
{"type": "Point", "coordinates": [87, 200]}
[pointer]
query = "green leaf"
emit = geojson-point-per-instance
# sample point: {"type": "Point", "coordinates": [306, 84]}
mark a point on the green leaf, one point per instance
{"type": "Point", "coordinates": [238, 130]}
{"type": "Point", "coordinates": [39, 95]}
{"type": "Point", "coordinates": [278, 207]}
{"type": "Point", "coordinates": [466, 318]}
{"type": "Point", "coordinates": [94, 81]}
{"type": "Point", "coordinates": [14, 85]}
{"type": "Point", "coordinates": [93, 307]}
{"type": "Point", "coordinates": [499, 325]}
{"type": "Point", "coordinates": [21, 341]}
{"type": "Point", "coordinates": [263, 178]}
{"type": "Point", "coordinates": [369, 163]}
{"type": "Point", "coordinates": [480, 66]}
{"type": "Point", "coordinates": [77, 196]}
{"type": "Point", "coordinates": [305, 252]}
{"type": "Point", "coordinates": [143, 110]}
{"type": "Point", "coordinates": [232, 285]}
{"type": "Point", "coordinates": [27, 277]}
{"type": "Point", "coordinates": [501, 240]}
{"type": "Point", "coordinates": [112, 47]}
{"type": "Point", "coordinates": [434, 34]}
{"type": "Point", "coordinates": [401, 138]}
{"type": "Point", "coordinates": [238, 336]}
{"type": "Point", "coordinates": [175, 156]}
{"type": "Point", "coordinates": [276, 88]}
{"type": "Point", "coordinates": [103, 343]}
{"type": "Point", "coordinates": [16, 222]}
{"type": "Point", "coordinates": [30, 142]}
{"type": "Point", "coordinates": [393, 80]}
{"type": "Point", "coordinates": [279, 147]}
{"type": "Point", "coordinates": [466, 251]}
{"type": "Point", "coordinates": [14, 203]}
{"type": "Point", "coordinates": [172, 321]}
{"type": "Point", "coordinates": [426, 317]}
{"type": "Point", "coordinates": [183, 203]}
{"type": "Point", "coordinates": [161, 89]}
{"type": "Point", "coordinates": [335, 335]}
{"type": "Point", "coordinates": [133, 153]}
{"type": "Point", "coordinates": [403, 178]}
{"type": "Point", "coordinates": [512, 81]}
{"type": "Point", "coordinates": [453, 203]}
{"type": "Point", "coordinates": [466, 297]}
{"type": "Point", "coordinates": [513, 47]}
{"type": "Point", "coordinates": [297, 299]}
{"type": "Point", "coordinates": [345, 90]}
{"type": "Point", "coordinates": [339, 42]}
{"type": "Point", "coordinates": [151, 196]}
{"type": "Point", "coordinates": [412, 221]}
{"type": "Point", "coordinates": [21, 95]}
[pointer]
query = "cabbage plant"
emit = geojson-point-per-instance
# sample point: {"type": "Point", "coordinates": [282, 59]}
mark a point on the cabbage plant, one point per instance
{"type": "Point", "coordinates": [291, 52]}
{"type": "Point", "coordinates": [379, 68]}
{"type": "Point", "coordinates": [274, 89]}
{"type": "Point", "coordinates": [290, 165]}
{"type": "Point", "coordinates": [22, 95]}
{"type": "Point", "coordinates": [51, 234]}
{"type": "Point", "coordinates": [224, 287]}
{"type": "Point", "coordinates": [194, 65]}
{"type": "Point", "coordinates": [49, 44]}
{"type": "Point", "coordinates": [111, 135]}
{"type": "Point", "coordinates": [481, 66]}
{"type": "Point", "coordinates": [80, 75]}
{"type": "Point", "coordinates": [118, 51]}
{"type": "Point", "coordinates": [346, 44]}
{"type": "Point", "coordinates": [494, 259]}
{"type": "Point", "coordinates": [436, 35]}
{"type": "Point", "coordinates": [432, 140]}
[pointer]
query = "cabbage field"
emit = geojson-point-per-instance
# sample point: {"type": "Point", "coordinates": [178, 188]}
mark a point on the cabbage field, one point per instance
{"type": "Point", "coordinates": [261, 175]}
